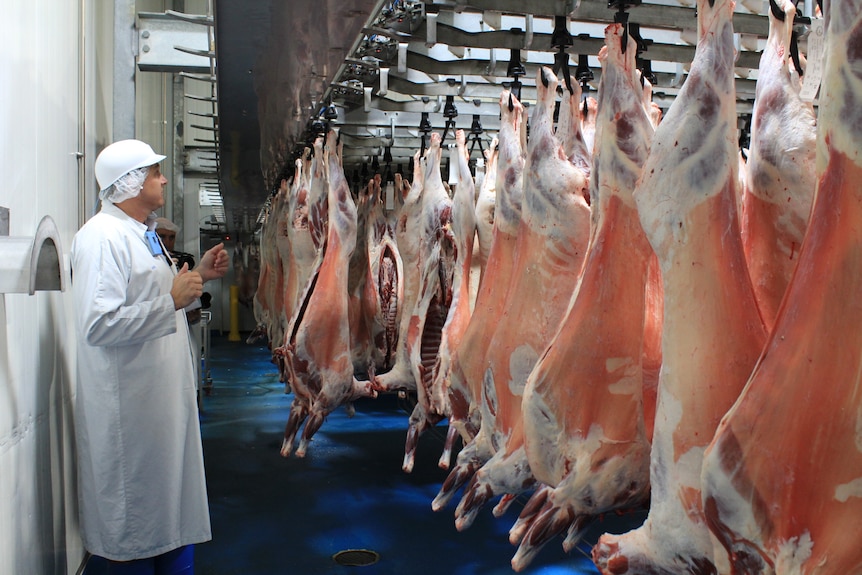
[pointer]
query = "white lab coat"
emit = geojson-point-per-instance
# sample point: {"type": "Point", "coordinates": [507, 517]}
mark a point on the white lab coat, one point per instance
{"type": "Point", "coordinates": [141, 482]}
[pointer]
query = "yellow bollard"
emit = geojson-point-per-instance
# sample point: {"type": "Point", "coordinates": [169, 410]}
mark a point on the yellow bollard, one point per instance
{"type": "Point", "coordinates": [234, 314]}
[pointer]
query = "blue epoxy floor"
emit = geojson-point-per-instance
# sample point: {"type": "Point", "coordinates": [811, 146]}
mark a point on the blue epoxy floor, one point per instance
{"type": "Point", "coordinates": [272, 515]}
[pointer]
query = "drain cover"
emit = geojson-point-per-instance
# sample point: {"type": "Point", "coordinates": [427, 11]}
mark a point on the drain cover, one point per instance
{"type": "Point", "coordinates": [356, 557]}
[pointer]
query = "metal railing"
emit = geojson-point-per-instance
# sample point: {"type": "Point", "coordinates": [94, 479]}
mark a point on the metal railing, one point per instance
{"type": "Point", "coordinates": [206, 382]}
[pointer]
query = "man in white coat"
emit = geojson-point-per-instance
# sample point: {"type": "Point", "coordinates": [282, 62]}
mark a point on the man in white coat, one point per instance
{"type": "Point", "coordinates": [142, 492]}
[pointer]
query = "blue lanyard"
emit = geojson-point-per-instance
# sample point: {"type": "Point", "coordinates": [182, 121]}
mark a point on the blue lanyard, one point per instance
{"type": "Point", "coordinates": [155, 245]}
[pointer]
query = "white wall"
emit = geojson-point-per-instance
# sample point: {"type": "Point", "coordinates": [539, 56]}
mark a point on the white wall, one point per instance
{"type": "Point", "coordinates": [41, 74]}
{"type": "Point", "coordinates": [56, 102]}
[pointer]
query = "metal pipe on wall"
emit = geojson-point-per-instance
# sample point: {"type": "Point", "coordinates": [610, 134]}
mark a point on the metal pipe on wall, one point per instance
{"type": "Point", "coordinates": [178, 145]}
{"type": "Point", "coordinates": [167, 114]}
{"type": "Point", "coordinates": [125, 41]}
{"type": "Point", "coordinates": [82, 113]}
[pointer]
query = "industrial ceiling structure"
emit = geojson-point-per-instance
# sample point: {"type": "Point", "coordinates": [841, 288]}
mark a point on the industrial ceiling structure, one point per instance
{"type": "Point", "coordinates": [388, 72]}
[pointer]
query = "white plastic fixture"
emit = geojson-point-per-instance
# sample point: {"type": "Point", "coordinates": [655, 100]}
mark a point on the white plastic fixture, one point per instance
{"type": "Point", "coordinates": [31, 264]}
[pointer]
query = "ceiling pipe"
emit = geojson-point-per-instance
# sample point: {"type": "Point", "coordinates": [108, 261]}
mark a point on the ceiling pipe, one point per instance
{"type": "Point", "coordinates": [492, 63]}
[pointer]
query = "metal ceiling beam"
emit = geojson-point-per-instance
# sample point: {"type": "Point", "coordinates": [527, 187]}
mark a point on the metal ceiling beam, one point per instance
{"type": "Point", "coordinates": [452, 36]}
{"type": "Point", "coordinates": [548, 7]}
{"type": "Point", "coordinates": [668, 17]}
{"type": "Point", "coordinates": [646, 14]}
{"type": "Point", "coordinates": [474, 89]}
{"type": "Point", "coordinates": [462, 57]}
{"type": "Point", "coordinates": [170, 44]}
{"type": "Point", "coordinates": [410, 119]}
{"type": "Point", "coordinates": [474, 67]}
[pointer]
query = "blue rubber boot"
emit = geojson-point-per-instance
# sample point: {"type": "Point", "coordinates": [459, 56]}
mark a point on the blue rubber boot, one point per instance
{"type": "Point", "coordinates": [177, 562]}
{"type": "Point", "coordinates": [136, 567]}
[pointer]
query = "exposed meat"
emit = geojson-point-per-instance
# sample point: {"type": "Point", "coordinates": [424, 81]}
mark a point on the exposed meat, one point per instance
{"type": "Point", "coordinates": [439, 260]}
{"type": "Point", "coordinates": [485, 205]}
{"type": "Point", "coordinates": [407, 233]}
{"type": "Point", "coordinates": [781, 175]}
{"type": "Point", "coordinates": [742, 177]}
{"type": "Point", "coordinates": [583, 406]}
{"type": "Point", "coordinates": [361, 300]}
{"type": "Point", "coordinates": [712, 333]}
{"type": "Point", "coordinates": [305, 226]}
{"type": "Point", "coordinates": [652, 109]}
{"type": "Point", "coordinates": [588, 110]}
{"type": "Point", "coordinates": [783, 476]}
{"type": "Point", "coordinates": [297, 251]}
{"type": "Point", "coordinates": [468, 359]}
{"type": "Point", "coordinates": [246, 266]}
{"type": "Point", "coordinates": [400, 192]}
{"type": "Point", "coordinates": [317, 351]}
{"type": "Point", "coordinates": [552, 244]}
{"type": "Point", "coordinates": [318, 194]}
{"type": "Point", "coordinates": [570, 131]}
{"type": "Point", "coordinates": [653, 307]}
{"type": "Point", "coordinates": [268, 304]}
{"type": "Point", "coordinates": [463, 232]}
{"type": "Point", "coordinates": [383, 286]}
{"type": "Point", "coordinates": [364, 294]}
{"type": "Point", "coordinates": [280, 314]}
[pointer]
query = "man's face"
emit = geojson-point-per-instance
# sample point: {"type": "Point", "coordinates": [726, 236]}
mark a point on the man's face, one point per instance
{"type": "Point", "coordinates": [169, 238]}
{"type": "Point", "coordinates": [152, 193]}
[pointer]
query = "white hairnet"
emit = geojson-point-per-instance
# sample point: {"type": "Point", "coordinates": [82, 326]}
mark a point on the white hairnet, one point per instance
{"type": "Point", "coordinates": [126, 187]}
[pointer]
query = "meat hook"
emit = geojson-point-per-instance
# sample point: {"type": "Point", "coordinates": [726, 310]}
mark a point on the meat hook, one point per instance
{"type": "Point", "coordinates": [584, 73]}
{"type": "Point", "coordinates": [516, 68]}
{"type": "Point", "coordinates": [644, 65]}
{"type": "Point", "coordinates": [561, 68]}
{"type": "Point", "coordinates": [622, 17]}
{"type": "Point", "coordinates": [794, 36]}
{"type": "Point", "coordinates": [476, 131]}
{"type": "Point", "coordinates": [779, 13]}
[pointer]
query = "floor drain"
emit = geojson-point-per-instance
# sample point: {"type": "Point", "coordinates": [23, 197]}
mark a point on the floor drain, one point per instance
{"type": "Point", "coordinates": [356, 557]}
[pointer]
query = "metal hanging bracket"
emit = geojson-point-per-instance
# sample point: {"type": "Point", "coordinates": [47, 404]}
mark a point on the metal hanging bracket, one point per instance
{"type": "Point", "coordinates": [476, 131]}
{"type": "Point", "coordinates": [450, 112]}
{"type": "Point", "coordinates": [424, 129]}
{"type": "Point", "coordinates": [515, 69]}
{"type": "Point", "coordinates": [622, 17]}
{"type": "Point", "coordinates": [643, 64]}
{"type": "Point", "coordinates": [584, 73]}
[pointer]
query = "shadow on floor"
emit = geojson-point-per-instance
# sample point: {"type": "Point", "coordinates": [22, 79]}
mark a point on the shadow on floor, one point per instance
{"type": "Point", "coordinates": [272, 515]}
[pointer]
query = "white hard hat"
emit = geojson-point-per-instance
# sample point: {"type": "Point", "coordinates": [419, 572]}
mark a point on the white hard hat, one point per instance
{"type": "Point", "coordinates": [122, 157]}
